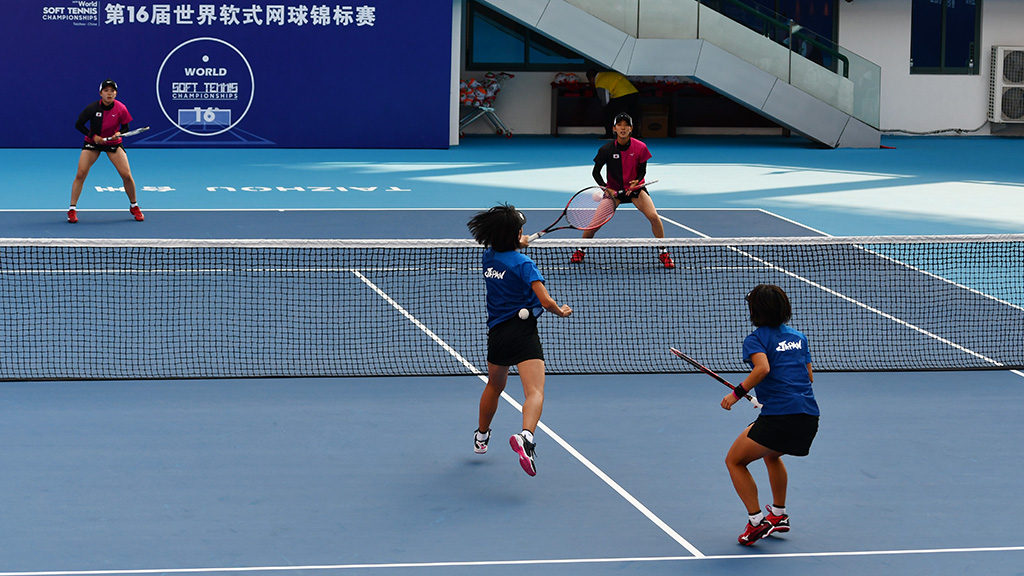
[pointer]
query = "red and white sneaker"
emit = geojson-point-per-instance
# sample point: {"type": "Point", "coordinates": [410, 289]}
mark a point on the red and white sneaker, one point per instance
{"type": "Point", "coordinates": [754, 533]}
{"type": "Point", "coordinates": [577, 256]}
{"type": "Point", "coordinates": [72, 216]}
{"type": "Point", "coordinates": [137, 212]}
{"type": "Point", "coordinates": [779, 524]}
{"type": "Point", "coordinates": [666, 260]}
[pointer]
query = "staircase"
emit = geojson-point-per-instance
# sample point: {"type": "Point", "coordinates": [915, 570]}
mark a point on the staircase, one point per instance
{"type": "Point", "coordinates": [685, 38]}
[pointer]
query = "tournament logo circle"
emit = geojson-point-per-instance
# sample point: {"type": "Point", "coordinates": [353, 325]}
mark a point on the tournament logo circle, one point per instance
{"type": "Point", "coordinates": [205, 86]}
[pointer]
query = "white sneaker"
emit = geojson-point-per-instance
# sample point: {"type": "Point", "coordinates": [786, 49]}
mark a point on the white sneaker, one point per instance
{"type": "Point", "coordinates": [480, 446]}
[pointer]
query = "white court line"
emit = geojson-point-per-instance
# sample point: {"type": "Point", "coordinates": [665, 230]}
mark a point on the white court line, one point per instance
{"type": "Point", "coordinates": [558, 439]}
{"type": "Point", "coordinates": [872, 309]}
{"type": "Point", "coordinates": [772, 214]}
{"type": "Point", "coordinates": [904, 264]}
{"type": "Point", "coordinates": [487, 563]}
{"type": "Point", "coordinates": [687, 228]}
{"type": "Point", "coordinates": [793, 222]}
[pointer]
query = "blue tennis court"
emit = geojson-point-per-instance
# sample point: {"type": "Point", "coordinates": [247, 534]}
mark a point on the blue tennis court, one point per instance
{"type": "Point", "coordinates": [360, 475]}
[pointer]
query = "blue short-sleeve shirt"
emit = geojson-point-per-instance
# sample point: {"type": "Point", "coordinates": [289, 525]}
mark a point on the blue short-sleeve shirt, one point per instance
{"type": "Point", "coordinates": [787, 387]}
{"type": "Point", "coordinates": [509, 276]}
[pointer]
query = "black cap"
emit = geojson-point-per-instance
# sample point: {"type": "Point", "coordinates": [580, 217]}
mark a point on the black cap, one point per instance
{"type": "Point", "coordinates": [622, 117]}
{"type": "Point", "coordinates": [108, 82]}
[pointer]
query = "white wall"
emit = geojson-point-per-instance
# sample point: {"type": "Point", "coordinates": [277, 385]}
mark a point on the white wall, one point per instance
{"type": "Point", "coordinates": [524, 103]}
{"type": "Point", "coordinates": [878, 30]}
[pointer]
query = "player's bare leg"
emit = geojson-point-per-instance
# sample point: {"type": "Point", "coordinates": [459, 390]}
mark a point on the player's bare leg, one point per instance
{"type": "Point", "coordinates": [777, 477]}
{"type": "Point", "coordinates": [120, 161]}
{"type": "Point", "coordinates": [581, 252]}
{"type": "Point", "coordinates": [497, 377]}
{"type": "Point", "coordinates": [646, 207]}
{"type": "Point", "coordinates": [741, 454]}
{"type": "Point", "coordinates": [531, 372]}
{"type": "Point", "coordinates": [85, 161]}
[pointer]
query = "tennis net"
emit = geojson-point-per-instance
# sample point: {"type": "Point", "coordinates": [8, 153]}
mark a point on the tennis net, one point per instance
{"type": "Point", "coordinates": [132, 309]}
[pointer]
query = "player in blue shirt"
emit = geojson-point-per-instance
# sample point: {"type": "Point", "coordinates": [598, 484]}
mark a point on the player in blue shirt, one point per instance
{"type": "Point", "coordinates": [516, 296]}
{"type": "Point", "coordinates": [781, 370]}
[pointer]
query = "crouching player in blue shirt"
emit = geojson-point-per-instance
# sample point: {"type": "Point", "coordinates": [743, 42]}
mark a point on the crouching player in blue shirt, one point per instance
{"type": "Point", "coordinates": [781, 370]}
{"type": "Point", "coordinates": [515, 297]}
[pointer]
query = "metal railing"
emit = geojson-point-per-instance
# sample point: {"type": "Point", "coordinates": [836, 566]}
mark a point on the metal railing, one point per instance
{"type": "Point", "coordinates": [786, 32]}
{"type": "Point", "coordinates": [769, 41]}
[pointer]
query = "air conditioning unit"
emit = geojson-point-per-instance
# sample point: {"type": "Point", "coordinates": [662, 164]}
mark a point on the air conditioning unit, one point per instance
{"type": "Point", "coordinates": [1006, 85]}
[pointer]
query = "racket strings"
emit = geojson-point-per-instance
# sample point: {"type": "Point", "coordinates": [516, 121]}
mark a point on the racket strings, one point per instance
{"type": "Point", "coordinates": [590, 210]}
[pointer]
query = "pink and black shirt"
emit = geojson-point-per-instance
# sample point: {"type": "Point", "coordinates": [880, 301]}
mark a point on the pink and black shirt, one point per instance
{"type": "Point", "coordinates": [106, 121]}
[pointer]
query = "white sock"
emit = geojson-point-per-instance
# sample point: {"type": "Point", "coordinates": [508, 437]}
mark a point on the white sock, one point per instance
{"type": "Point", "coordinates": [528, 435]}
{"type": "Point", "coordinates": [72, 207]}
{"type": "Point", "coordinates": [777, 510]}
{"type": "Point", "coordinates": [134, 204]}
{"type": "Point", "coordinates": [755, 519]}
{"type": "Point", "coordinates": [481, 436]}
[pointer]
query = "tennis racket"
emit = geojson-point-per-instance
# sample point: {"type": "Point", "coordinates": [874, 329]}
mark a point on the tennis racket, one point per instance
{"type": "Point", "coordinates": [128, 133]}
{"type": "Point", "coordinates": [588, 209]}
{"type": "Point", "coordinates": [640, 185]}
{"type": "Point", "coordinates": [709, 372]}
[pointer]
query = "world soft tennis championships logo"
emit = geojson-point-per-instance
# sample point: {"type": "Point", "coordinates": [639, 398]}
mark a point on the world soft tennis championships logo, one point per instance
{"type": "Point", "coordinates": [77, 12]}
{"type": "Point", "coordinates": [205, 86]}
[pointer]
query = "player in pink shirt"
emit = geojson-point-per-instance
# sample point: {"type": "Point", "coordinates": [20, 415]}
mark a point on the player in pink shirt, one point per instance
{"type": "Point", "coordinates": [100, 120]}
{"type": "Point", "coordinates": [626, 159]}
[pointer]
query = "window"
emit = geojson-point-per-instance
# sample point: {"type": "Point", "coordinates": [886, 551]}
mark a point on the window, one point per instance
{"type": "Point", "coordinates": [494, 41]}
{"type": "Point", "coordinates": [944, 36]}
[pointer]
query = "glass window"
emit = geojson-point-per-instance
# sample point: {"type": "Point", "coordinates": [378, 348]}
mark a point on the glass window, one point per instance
{"type": "Point", "coordinates": [944, 36]}
{"type": "Point", "coordinates": [494, 41]}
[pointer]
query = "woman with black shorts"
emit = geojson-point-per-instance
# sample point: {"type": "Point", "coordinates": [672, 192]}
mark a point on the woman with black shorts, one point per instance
{"type": "Point", "coordinates": [781, 370]}
{"type": "Point", "coordinates": [105, 118]}
{"type": "Point", "coordinates": [516, 296]}
{"type": "Point", "coordinates": [626, 159]}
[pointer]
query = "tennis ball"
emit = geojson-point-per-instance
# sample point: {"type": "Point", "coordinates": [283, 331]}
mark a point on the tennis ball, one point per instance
{"type": "Point", "coordinates": [524, 314]}
{"type": "Point", "coordinates": [598, 195]}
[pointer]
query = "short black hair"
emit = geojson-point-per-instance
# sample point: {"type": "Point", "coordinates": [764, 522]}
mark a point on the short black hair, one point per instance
{"type": "Point", "coordinates": [769, 305]}
{"type": "Point", "coordinates": [498, 227]}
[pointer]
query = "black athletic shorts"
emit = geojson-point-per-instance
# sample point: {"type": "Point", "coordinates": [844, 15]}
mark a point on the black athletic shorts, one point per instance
{"type": "Point", "coordinates": [790, 434]}
{"type": "Point", "coordinates": [627, 197]}
{"type": "Point", "coordinates": [514, 341]}
{"type": "Point", "coordinates": [100, 147]}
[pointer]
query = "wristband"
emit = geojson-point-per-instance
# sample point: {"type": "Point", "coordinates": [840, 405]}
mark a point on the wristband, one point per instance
{"type": "Point", "coordinates": [739, 392]}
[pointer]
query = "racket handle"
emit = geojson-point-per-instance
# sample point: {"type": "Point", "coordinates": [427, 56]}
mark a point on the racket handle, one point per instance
{"type": "Point", "coordinates": [641, 185]}
{"type": "Point", "coordinates": [533, 237]}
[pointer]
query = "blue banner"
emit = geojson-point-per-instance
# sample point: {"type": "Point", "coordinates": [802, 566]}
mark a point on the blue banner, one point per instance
{"type": "Point", "coordinates": [283, 73]}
